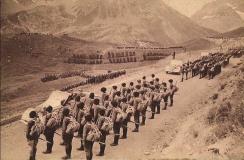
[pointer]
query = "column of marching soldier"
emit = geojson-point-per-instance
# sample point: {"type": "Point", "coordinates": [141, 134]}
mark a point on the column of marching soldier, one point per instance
{"type": "Point", "coordinates": [92, 118]}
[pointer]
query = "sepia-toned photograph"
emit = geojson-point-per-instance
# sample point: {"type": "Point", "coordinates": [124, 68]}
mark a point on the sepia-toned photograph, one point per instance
{"type": "Point", "coordinates": [122, 80]}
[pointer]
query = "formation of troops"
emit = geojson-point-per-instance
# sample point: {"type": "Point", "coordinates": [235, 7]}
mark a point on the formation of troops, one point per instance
{"type": "Point", "coordinates": [95, 79]}
{"type": "Point", "coordinates": [85, 59]}
{"type": "Point", "coordinates": [154, 56]}
{"type": "Point", "coordinates": [91, 118]}
{"type": "Point", "coordinates": [52, 77]}
{"type": "Point", "coordinates": [205, 66]}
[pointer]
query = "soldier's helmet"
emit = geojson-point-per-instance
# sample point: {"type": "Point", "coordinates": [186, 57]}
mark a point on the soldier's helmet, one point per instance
{"type": "Point", "coordinates": [153, 75]}
{"type": "Point", "coordinates": [131, 83]}
{"type": "Point", "coordinates": [171, 81]}
{"type": "Point", "coordinates": [144, 77]}
{"type": "Point", "coordinates": [114, 87]}
{"type": "Point", "coordinates": [123, 84]}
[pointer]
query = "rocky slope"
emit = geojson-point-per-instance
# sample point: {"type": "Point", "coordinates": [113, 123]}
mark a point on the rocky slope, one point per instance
{"type": "Point", "coordinates": [116, 21]}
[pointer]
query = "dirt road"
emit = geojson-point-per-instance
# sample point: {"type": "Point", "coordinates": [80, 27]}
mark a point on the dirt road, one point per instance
{"type": "Point", "coordinates": [152, 141]}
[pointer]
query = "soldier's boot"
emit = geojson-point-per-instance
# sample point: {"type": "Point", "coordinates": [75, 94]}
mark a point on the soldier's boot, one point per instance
{"type": "Point", "coordinates": [158, 109]}
{"type": "Point", "coordinates": [102, 149]}
{"type": "Point", "coordinates": [152, 117]}
{"type": "Point", "coordinates": [136, 128]}
{"type": "Point", "coordinates": [81, 147]}
{"type": "Point", "coordinates": [165, 106]}
{"type": "Point", "coordinates": [171, 102]}
{"type": "Point", "coordinates": [124, 136]}
{"type": "Point", "coordinates": [116, 141]}
{"type": "Point", "coordinates": [143, 121]}
{"type": "Point", "coordinates": [49, 149]}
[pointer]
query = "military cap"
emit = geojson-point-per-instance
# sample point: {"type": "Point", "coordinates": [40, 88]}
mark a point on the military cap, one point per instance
{"type": "Point", "coordinates": [49, 109]}
{"type": "Point", "coordinates": [103, 89]}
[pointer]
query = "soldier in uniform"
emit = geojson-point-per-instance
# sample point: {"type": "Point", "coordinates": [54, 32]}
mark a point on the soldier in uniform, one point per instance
{"type": "Point", "coordinates": [131, 87]}
{"type": "Point", "coordinates": [81, 120]}
{"type": "Point", "coordinates": [49, 130]}
{"type": "Point", "coordinates": [165, 95]}
{"type": "Point", "coordinates": [68, 137]}
{"type": "Point", "coordinates": [152, 104]}
{"type": "Point", "coordinates": [104, 133]}
{"type": "Point", "coordinates": [103, 90]}
{"type": "Point", "coordinates": [182, 69]}
{"type": "Point", "coordinates": [144, 81]}
{"type": "Point", "coordinates": [32, 138]}
{"type": "Point", "coordinates": [171, 89]}
{"type": "Point", "coordinates": [123, 89]}
{"type": "Point", "coordinates": [136, 102]}
{"type": "Point", "coordinates": [96, 109]}
{"type": "Point", "coordinates": [113, 92]}
{"type": "Point", "coordinates": [157, 98]}
{"type": "Point", "coordinates": [116, 123]}
{"type": "Point", "coordinates": [153, 77]}
{"type": "Point", "coordinates": [88, 145]}
{"type": "Point", "coordinates": [89, 101]}
{"type": "Point", "coordinates": [126, 117]}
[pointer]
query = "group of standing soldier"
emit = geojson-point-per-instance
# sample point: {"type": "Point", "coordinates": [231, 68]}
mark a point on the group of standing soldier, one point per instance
{"type": "Point", "coordinates": [91, 118]}
{"type": "Point", "coordinates": [95, 79]}
{"type": "Point", "coordinates": [205, 66]}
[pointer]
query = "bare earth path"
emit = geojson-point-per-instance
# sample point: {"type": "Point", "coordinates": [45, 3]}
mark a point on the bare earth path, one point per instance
{"type": "Point", "coordinates": [147, 144]}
